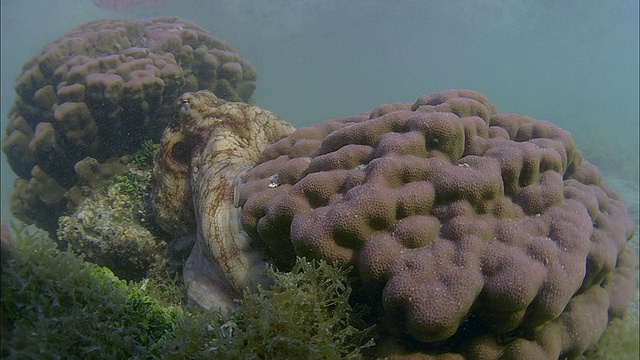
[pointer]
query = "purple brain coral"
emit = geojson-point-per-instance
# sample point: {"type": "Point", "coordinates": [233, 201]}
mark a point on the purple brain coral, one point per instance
{"type": "Point", "coordinates": [473, 232]}
{"type": "Point", "coordinates": [96, 93]}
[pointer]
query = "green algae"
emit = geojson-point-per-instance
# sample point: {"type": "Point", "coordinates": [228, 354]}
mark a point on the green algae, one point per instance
{"type": "Point", "coordinates": [108, 228]}
{"type": "Point", "coordinates": [144, 156]}
{"type": "Point", "coordinates": [57, 305]}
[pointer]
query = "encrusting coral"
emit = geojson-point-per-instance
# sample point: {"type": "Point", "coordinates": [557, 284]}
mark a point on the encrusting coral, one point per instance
{"type": "Point", "coordinates": [473, 234]}
{"type": "Point", "coordinates": [95, 94]}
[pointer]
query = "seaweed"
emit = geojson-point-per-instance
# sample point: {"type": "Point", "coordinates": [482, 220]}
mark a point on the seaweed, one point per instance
{"type": "Point", "coordinates": [144, 156]}
{"type": "Point", "coordinates": [57, 305]}
{"type": "Point", "coordinates": [305, 314]}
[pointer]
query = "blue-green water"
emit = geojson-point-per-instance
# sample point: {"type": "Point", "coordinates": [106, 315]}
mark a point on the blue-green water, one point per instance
{"type": "Point", "coordinates": [574, 63]}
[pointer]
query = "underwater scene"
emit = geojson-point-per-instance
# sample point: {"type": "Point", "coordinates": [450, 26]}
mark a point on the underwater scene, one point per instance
{"type": "Point", "coordinates": [220, 179]}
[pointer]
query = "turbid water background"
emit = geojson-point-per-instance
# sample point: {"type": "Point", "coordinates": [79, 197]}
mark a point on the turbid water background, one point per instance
{"type": "Point", "coordinates": [574, 63]}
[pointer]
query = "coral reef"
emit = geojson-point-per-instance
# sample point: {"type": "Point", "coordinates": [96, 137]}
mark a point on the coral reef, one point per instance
{"type": "Point", "coordinates": [473, 233]}
{"type": "Point", "coordinates": [93, 95]}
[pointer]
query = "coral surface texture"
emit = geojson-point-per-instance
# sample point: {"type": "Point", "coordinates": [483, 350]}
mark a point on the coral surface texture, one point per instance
{"type": "Point", "coordinates": [95, 94]}
{"type": "Point", "coordinates": [475, 234]}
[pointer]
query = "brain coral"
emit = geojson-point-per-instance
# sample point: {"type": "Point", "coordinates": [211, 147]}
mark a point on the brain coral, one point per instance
{"type": "Point", "coordinates": [473, 232]}
{"type": "Point", "coordinates": [96, 93]}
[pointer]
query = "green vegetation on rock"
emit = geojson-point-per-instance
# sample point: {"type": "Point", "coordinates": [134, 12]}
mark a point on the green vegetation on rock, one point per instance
{"type": "Point", "coordinates": [131, 184]}
{"type": "Point", "coordinates": [144, 156]}
{"type": "Point", "coordinates": [107, 227]}
{"type": "Point", "coordinates": [56, 305]}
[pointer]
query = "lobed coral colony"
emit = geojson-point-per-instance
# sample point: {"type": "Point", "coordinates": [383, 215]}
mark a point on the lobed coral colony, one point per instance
{"type": "Point", "coordinates": [473, 233]}
{"type": "Point", "coordinates": [95, 94]}
{"type": "Point", "coordinates": [470, 234]}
